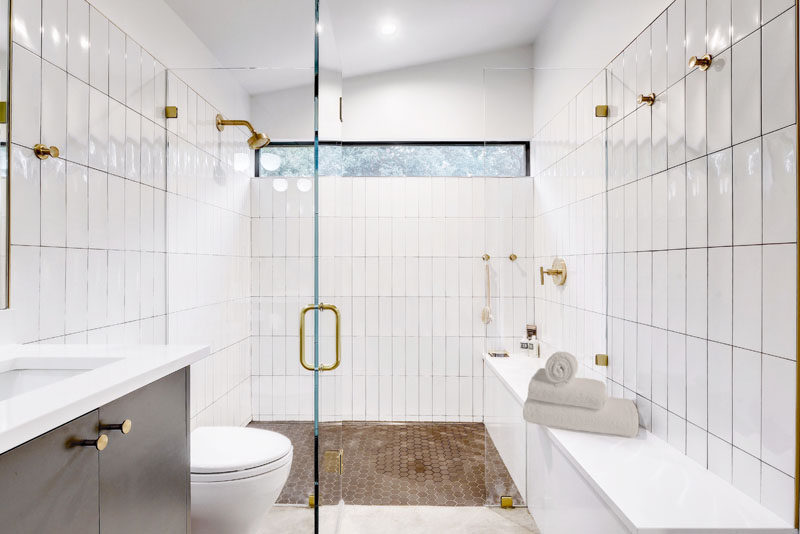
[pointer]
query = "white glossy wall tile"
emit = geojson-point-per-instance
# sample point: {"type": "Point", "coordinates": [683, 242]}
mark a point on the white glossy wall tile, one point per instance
{"type": "Point", "coordinates": [701, 255]}
{"type": "Point", "coordinates": [90, 251]}
{"type": "Point", "coordinates": [400, 257]}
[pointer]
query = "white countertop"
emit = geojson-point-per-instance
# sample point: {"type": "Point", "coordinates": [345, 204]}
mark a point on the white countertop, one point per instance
{"type": "Point", "coordinates": [651, 486]}
{"type": "Point", "coordinates": [30, 414]}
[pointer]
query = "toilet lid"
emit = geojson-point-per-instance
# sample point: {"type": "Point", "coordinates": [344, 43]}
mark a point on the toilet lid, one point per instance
{"type": "Point", "coordinates": [221, 449]}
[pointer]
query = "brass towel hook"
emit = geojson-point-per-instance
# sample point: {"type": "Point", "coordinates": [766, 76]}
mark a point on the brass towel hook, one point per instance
{"type": "Point", "coordinates": [701, 62]}
{"type": "Point", "coordinates": [44, 152]}
{"type": "Point", "coordinates": [485, 257]}
{"type": "Point", "coordinates": [646, 99]}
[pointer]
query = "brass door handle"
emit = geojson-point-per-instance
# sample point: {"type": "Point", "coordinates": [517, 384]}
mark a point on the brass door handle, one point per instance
{"type": "Point", "coordinates": [124, 427]}
{"type": "Point", "coordinates": [100, 443]}
{"type": "Point", "coordinates": [322, 307]}
{"type": "Point", "coordinates": [701, 62]}
{"type": "Point", "coordinates": [44, 152]}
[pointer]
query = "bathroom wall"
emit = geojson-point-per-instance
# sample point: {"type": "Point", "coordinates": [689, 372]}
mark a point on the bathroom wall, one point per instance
{"type": "Point", "coordinates": [92, 260]}
{"type": "Point", "coordinates": [564, 62]}
{"type": "Point", "coordinates": [400, 257]}
{"type": "Point", "coordinates": [208, 253]}
{"type": "Point", "coordinates": [446, 100]}
{"type": "Point", "coordinates": [701, 235]}
{"type": "Point", "coordinates": [569, 205]}
{"type": "Point", "coordinates": [160, 30]}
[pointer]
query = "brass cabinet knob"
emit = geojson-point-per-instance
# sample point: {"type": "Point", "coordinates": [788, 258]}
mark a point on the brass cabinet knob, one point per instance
{"type": "Point", "coordinates": [44, 152]}
{"type": "Point", "coordinates": [100, 443]}
{"type": "Point", "coordinates": [513, 257]}
{"type": "Point", "coordinates": [646, 99]}
{"type": "Point", "coordinates": [702, 62]}
{"type": "Point", "coordinates": [124, 427]}
{"type": "Point", "coordinates": [485, 257]}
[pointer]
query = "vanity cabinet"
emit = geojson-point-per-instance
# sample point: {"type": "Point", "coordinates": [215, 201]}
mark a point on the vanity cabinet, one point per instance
{"type": "Point", "coordinates": [144, 475]}
{"type": "Point", "coordinates": [48, 487]}
{"type": "Point", "coordinates": [139, 483]}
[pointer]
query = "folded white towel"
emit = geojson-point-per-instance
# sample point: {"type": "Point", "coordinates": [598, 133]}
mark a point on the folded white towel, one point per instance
{"type": "Point", "coordinates": [618, 417]}
{"type": "Point", "coordinates": [581, 392]}
{"type": "Point", "coordinates": [561, 367]}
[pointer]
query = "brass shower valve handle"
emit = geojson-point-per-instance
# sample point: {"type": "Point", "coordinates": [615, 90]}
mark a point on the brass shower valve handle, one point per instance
{"type": "Point", "coordinates": [558, 272]}
{"type": "Point", "coordinates": [701, 62]}
{"type": "Point", "coordinates": [646, 99]}
{"type": "Point", "coordinates": [548, 272]}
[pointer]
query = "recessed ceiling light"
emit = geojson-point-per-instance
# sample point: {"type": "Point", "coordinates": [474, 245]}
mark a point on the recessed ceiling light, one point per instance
{"type": "Point", "coordinates": [388, 28]}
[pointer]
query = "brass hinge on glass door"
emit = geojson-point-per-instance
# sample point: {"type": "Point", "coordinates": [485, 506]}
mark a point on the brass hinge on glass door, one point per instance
{"type": "Point", "coordinates": [332, 461]}
{"type": "Point", "coordinates": [321, 307]}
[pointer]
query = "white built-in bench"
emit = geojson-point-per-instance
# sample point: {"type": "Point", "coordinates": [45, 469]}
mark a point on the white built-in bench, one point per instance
{"type": "Point", "coordinates": [591, 483]}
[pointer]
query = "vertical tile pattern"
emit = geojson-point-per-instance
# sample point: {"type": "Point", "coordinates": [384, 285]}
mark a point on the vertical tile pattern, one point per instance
{"type": "Point", "coordinates": [706, 298]}
{"type": "Point", "coordinates": [202, 183]}
{"type": "Point", "coordinates": [90, 253]}
{"type": "Point", "coordinates": [401, 258]}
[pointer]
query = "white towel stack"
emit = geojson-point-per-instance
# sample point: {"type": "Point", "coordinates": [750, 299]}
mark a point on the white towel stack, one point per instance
{"type": "Point", "coordinates": [559, 400]}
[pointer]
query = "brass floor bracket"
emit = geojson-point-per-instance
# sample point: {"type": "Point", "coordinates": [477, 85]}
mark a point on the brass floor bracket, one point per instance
{"type": "Point", "coordinates": [506, 502]}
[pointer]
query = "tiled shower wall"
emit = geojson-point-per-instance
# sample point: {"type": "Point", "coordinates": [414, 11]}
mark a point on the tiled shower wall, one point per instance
{"type": "Point", "coordinates": [90, 246]}
{"type": "Point", "coordinates": [208, 254]}
{"type": "Point", "coordinates": [702, 217]}
{"type": "Point", "coordinates": [401, 258]}
{"type": "Point", "coordinates": [569, 203]}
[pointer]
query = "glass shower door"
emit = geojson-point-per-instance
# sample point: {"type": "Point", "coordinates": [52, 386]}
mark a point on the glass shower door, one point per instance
{"type": "Point", "coordinates": [325, 360]}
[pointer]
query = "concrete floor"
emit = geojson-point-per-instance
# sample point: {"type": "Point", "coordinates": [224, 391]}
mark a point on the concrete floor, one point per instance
{"type": "Point", "coordinates": [354, 519]}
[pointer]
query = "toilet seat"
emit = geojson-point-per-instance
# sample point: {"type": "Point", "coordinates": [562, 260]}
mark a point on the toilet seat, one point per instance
{"type": "Point", "coordinates": [220, 454]}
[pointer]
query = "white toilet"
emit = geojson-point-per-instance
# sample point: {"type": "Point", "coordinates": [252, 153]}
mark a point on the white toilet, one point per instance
{"type": "Point", "coordinates": [237, 474]}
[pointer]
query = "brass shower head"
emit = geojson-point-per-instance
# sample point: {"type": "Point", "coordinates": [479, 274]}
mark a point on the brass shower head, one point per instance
{"type": "Point", "coordinates": [256, 141]}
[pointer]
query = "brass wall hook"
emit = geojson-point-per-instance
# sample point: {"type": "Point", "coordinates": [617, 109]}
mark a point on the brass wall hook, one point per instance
{"type": "Point", "coordinates": [44, 152]}
{"type": "Point", "coordinates": [485, 257]}
{"type": "Point", "coordinates": [646, 99]}
{"type": "Point", "coordinates": [701, 62]}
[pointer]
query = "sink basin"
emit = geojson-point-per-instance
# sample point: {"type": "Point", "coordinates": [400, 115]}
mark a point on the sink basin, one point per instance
{"type": "Point", "coordinates": [24, 374]}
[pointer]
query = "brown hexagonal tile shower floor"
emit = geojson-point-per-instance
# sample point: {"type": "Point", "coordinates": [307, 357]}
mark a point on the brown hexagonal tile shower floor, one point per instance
{"type": "Point", "coordinates": [442, 464]}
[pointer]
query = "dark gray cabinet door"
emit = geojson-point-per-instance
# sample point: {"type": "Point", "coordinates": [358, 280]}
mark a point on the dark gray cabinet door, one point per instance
{"type": "Point", "coordinates": [48, 487]}
{"type": "Point", "coordinates": [144, 475]}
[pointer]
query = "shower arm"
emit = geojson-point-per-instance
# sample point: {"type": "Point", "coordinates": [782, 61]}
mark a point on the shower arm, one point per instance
{"type": "Point", "coordinates": [256, 141]}
{"type": "Point", "coordinates": [222, 123]}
